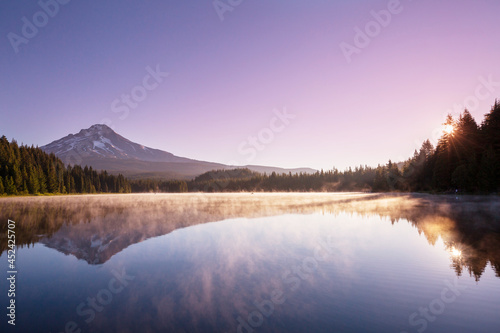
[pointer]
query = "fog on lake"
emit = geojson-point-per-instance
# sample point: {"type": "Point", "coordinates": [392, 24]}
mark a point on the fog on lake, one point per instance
{"type": "Point", "coordinates": [263, 262]}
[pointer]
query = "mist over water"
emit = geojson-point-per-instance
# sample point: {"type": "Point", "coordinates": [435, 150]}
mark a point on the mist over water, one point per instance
{"type": "Point", "coordinates": [265, 262]}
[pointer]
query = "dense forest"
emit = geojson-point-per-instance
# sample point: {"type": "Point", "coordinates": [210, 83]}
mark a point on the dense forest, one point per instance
{"type": "Point", "coordinates": [29, 170]}
{"type": "Point", "coordinates": [152, 185]}
{"type": "Point", "coordinates": [466, 160]}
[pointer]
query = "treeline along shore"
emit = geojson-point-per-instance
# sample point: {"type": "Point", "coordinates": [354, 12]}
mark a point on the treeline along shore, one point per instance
{"type": "Point", "coordinates": [466, 159]}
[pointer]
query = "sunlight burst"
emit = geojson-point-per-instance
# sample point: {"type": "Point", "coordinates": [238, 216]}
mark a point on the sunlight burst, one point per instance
{"type": "Point", "coordinates": [448, 129]}
{"type": "Point", "coordinates": [455, 252]}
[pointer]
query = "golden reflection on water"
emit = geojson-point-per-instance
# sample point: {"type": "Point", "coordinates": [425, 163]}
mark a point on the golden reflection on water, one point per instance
{"type": "Point", "coordinates": [96, 227]}
{"type": "Point", "coordinates": [456, 252]}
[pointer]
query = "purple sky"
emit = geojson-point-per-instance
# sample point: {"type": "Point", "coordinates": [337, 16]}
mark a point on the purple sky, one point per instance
{"type": "Point", "coordinates": [228, 78]}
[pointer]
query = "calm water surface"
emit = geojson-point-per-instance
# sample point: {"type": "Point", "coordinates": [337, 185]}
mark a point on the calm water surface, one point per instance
{"type": "Point", "coordinates": [254, 263]}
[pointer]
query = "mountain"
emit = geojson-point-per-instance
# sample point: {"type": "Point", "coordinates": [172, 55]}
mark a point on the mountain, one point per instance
{"type": "Point", "coordinates": [102, 148]}
{"type": "Point", "coordinates": [100, 141]}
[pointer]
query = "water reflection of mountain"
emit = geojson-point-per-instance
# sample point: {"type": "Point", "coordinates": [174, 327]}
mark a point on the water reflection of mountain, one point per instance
{"type": "Point", "coordinates": [94, 228]}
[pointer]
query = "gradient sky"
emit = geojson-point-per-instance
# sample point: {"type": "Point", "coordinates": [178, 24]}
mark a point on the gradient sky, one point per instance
{"type": "Point", "coordinates": [226, 77]}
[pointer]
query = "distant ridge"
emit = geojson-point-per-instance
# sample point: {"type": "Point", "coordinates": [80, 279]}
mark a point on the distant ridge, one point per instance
{"type": "Point", "coordinates": [102, 148]}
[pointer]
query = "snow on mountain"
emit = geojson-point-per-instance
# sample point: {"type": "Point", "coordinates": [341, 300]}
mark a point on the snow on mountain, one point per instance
{"type": "Point", "coordinates": [103, 149]}
{"type": "Point", "coordinates": [100, 141]}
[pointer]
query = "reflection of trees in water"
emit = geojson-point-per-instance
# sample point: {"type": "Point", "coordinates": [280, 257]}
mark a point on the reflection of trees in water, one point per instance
{"type": "Point", "coordinates": [471, 236]}
{"type": "Point", "coordinates": [38, 219]}
{"type": "Point", "coordinates": [469, 225]}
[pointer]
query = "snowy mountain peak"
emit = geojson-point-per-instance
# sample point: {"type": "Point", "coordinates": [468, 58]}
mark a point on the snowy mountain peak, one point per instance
{"type": "Point", "coordinates": [100, 127]}
{"type": "Point", "coordinates": [102, 148]}
{"type": "Point", "coordinates": [96, 129]}
{"type": "Point", "coordinates": [100, 141]}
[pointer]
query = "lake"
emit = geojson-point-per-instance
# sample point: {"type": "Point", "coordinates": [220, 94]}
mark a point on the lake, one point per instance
{"type": "Point", "coordinates": [273, 262]}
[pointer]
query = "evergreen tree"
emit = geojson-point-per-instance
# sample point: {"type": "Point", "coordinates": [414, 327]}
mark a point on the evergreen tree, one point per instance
{"type": "Point", "coordinates": [466, 139]}
{"type": "Point", "coordinates": [490, 135]}
{"type": "Point", "coordinates": [33, 184]}
{"type": "Point", "coordinates": [488, 171]}
{"type": "Point", "coordinates": [445, 157]}
{"type": "Point", "coordinates": [41, 180]}
{"type": "Point", "coordinates": [10, 187]}
{"type": "Point", "coordinates": [17, 175]}
{"type": "Point", "coordinates": [52, 185]}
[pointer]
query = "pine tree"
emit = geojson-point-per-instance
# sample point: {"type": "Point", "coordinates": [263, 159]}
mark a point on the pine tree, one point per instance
{"type": "Point", "coordinates": [488, 171]}
{"type": "Point", "coordinates": [42, 183]}
{"type": "Point", "coordinates": [445, 158]}
{"type": "Point", "coordinates": [466, 139]}
{"type": "Point", "coordinates": [25, 178]}
{"type": "Point", "coordinates": [380, 181]}
{"type": "Point", "coordinates": [17, 175]}
{"type": "Point", "coordinates": [10, 187]}
{"type": "Point", "coordinates": [490, 132]}
{"type": "Point", "coordinates": [33, 184]}
{"type": "Point", "coordinates": [52, 185]}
